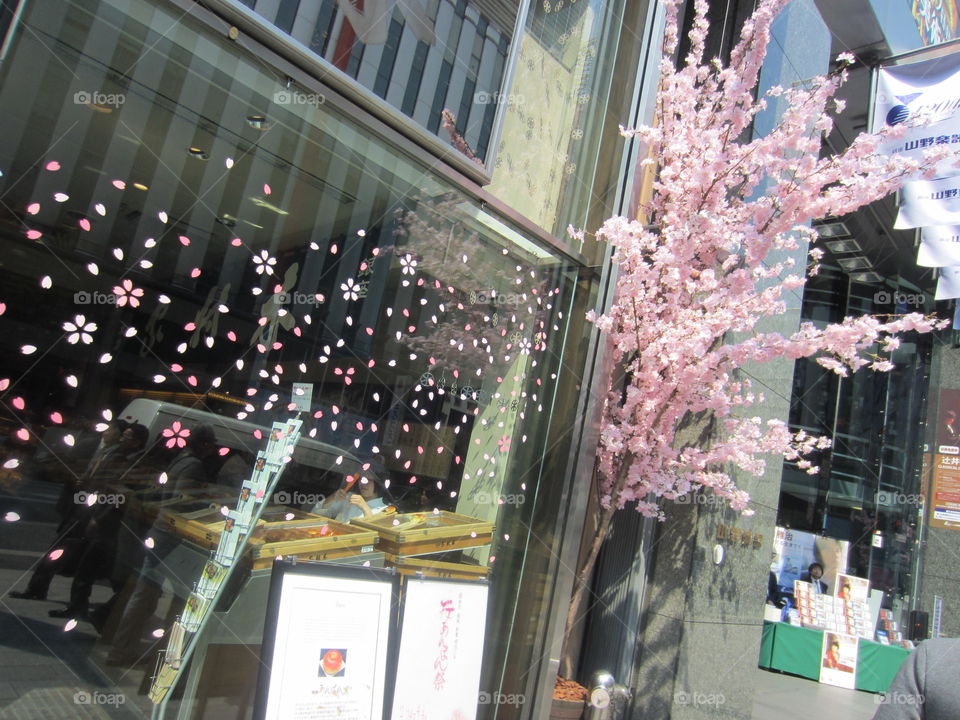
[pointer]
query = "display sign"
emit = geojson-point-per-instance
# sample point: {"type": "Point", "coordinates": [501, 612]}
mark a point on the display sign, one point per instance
{"type": "Point", "coordinates": [327, 643]}
{"type": "Point", "coordinates": [441, 650]}
{"type": "Point", "coordinates": [838, 660]}
{"type": "Point", "coordinates": [945, 492]}
{"type": "Point", "coordinates": [939, 246]}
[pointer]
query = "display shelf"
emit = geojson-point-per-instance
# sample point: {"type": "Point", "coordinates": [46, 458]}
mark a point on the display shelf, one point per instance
{"type": "Point", "coordinates": [421, 533]}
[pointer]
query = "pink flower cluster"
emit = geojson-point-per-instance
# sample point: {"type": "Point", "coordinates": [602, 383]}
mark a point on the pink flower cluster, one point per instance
{"type": "Point", "coordinates": [697, 282]}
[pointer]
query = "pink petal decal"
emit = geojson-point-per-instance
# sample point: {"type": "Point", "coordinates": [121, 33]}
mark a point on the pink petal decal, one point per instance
{"type": "Point", "coordinates": [53, 166]}
{"type": "Point", "coordinates": [184, 240]}
{"type": "Point", "coordinates": [33, 208]}
{"type": "Point", "coordinates": [266, 189]}
{"type": "Point", "coordinates": [18, 403]}
{"type": "Point", "coordinates": [84, 224]}
{"type": "Point", "coordinates": [236, 242]}
{"type": "Point", "coordinates": [3, 308]}
{"type": "Point", "coordinates": [119, 184]}
{"type": "Point", "coordinates": [195, 273]}
{"type": "Point", "coordinates": [23, 434]}
{"type": "Point", "coordinates": [258, 435]}
{"type": "Point", "coordinates": [56, 417]}
{"type": "Point", "coordinates": [34, 234]}
{"type": "Point", "coordinates": [232, 336]}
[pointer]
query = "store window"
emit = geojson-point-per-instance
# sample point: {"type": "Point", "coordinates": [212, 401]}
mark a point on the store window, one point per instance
{"type": "Point", "coordinates": [187, 261]}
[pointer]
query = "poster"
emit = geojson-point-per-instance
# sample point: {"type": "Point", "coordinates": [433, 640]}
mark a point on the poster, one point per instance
{"type": "Point", "coordinates": [838, 660]}
{"type": "Point", "coordinates": [441, 650]}
{"type": "Point", "coordinates": [939, 246]}
{"type": "Point", "coordinates": [849, 587]}
{"type": "Point", "coordinates": [794, 550]}
{"type": "Point", "coordinates": [945, 492]}
{"type": "Point", "coordinates": [326, 643]}
{"type": "Point", "coordinates": [948, 422]}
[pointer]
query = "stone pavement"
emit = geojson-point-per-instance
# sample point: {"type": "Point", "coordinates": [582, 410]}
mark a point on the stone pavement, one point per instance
{"type": "Point", "coordinates": [786, 697]}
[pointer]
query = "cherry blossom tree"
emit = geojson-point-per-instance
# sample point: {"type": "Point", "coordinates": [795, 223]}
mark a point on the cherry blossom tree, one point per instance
{"type": "Point", "coordinates": [713, 262]}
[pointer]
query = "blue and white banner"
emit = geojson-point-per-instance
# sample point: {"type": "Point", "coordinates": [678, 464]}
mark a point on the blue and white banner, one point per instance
{"type": "Point", "coordinates": [926, 93]}
{"type": "Point", "coordinates": [929, 202]}
{"type": "Point", "coordinates": [939, 246]}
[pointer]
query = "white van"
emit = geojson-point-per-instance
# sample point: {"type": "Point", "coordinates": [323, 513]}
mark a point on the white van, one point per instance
{"type": "Point", "coordinates": [236, 434]}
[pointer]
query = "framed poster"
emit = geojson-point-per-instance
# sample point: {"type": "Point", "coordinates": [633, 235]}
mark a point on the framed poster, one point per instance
{"type": "Point", "coordinates": [838, 660]}
{"type": "Point", "coordinates": [327, 642]}
{"type": "Point", "coordinates": [441, 650]}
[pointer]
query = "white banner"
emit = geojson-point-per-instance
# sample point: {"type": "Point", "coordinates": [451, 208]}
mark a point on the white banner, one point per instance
{"type": "Point", "coordinates": [929, 202]}
{"type": "Point", "coordinates": [929, 91]}
{"type": "Point", "coordinates": [939, 246]}
{"type": "Point", "coordinates": [948, 286]}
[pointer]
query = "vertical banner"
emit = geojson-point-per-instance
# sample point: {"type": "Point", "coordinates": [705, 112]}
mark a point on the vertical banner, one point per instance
{"type": "Point", "coordinates": [838, 660]}
{"type": "Point", "coordinates": [945, 492]}
{"type": "Point", "coordinates": [327, 643]}
{"type": "Point", "coordinates": [441, 650]}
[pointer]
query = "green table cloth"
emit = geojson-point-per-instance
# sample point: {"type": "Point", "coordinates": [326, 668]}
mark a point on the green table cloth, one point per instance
{"type": "Point", "coordinates": [796, 650]}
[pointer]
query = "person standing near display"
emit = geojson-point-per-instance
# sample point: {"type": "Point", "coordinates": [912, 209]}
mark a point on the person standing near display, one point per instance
{"type": "Point", "coordinates": [926, 686]}
{"type": "Point", "coordinates": [813, 576]}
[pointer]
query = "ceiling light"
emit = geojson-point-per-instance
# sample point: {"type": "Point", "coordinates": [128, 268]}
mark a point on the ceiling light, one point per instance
{"type": "Point", "coordinates": [141, 186]}
{"type": "Point", "coordinates": [843, 246]}
{"type": "Point", "coordinates": [198, 153]}
{"type": "Point", "coordinates": [866, 277]}
{"type": "Point", "coordinates": [854, 263]}
{"type": "Point", "coordinates": [258, 122]}
{"type": "Point", "coordinates": [833, 230]}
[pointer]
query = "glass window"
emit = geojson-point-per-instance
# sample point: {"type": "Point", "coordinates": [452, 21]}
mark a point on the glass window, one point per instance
{"type": "Point", "coordinates": [185, 254]}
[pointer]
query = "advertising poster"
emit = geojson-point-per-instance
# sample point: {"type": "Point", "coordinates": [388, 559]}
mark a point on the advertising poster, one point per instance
{"type": "Point", "coordinates": [838, 660]}
{"type": "Point", "coordinates": [326, 644]}
{"type": "Point", "coordinates": [948, 422]}
{"type": "Point", "coordinates": [794, 550]}
{"type": "Point", "coordinates": [849, 587]}
{"type": "Point", "coordinates": [441, 650]}
{"type": "Point", "coordinates": [945, 492]}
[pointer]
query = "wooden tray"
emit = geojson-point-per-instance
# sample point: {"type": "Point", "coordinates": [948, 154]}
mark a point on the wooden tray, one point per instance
{"type": "Point", "coordinates": [435, 568]}
{"type": "Point", "coordinates": [420, 533]}
{"type": "Point", "coordinates": [304, 541]}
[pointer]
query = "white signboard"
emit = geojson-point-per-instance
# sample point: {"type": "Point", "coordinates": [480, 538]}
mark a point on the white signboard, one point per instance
{"type": "Point", "coordinates": [330, 648]}
{"type": "Point", "coordinates": [926, 94]}
{"type": "Point", "coordinates": [948, 286]}
{"type": "Point", "coordinates": [302, 396]}
{"type": "Point", "coordinates": [441, 650]}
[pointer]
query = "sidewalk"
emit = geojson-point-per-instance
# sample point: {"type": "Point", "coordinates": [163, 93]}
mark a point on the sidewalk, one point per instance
{"type": "Point", "coordinates": [786, 697]}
